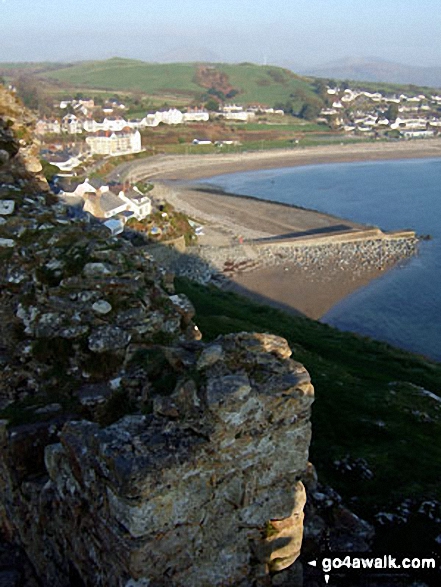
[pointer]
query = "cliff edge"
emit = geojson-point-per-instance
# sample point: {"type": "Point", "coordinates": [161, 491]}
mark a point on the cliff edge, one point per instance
{"type": "Point", "coordinates": [132, 453]}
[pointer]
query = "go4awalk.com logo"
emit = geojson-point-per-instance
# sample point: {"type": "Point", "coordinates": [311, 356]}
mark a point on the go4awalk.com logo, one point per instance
{"type": "Point", "coordinates": [337, 568]}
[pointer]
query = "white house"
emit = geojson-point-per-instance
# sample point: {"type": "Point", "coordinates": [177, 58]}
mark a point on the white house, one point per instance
{"type": "Point", "coordinates": [227, 108]}
{"type": "Point", "coordinates": [172, 116]}
{"type": "Point", "coordinates": [66, 162]}
{"type": "Point", "coordinates": [91, 125]}
{"type": "Point", "coordinates": [151, 119]}
{"type": "Point", "coordinates": [71, 124]}
{"type": "Point", "coordinates": [136, 202]}
{"type": "Point", "coordinates": [114, 123]}
{"type": "Point", "coordinates": [87, 186]}
{"type": "Point", "coordinates": [201, 142]}
{"type": "Point", "coordinates": [103, 205]}
{"type": "Point", "coordinates": [46, 126]}
{"type": "Point", "coordinates": [417, 134]}
{"type": "Point", "coordinates": [240, 116]}
{"type": "Point", "coordinates": [196, 115]}
{"type": "Point", "coordinates": [410, 123]}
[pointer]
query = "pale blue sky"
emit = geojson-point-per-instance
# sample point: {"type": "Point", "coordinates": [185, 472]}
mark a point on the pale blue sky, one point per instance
{"type": "Point", "coordinates": [303, 32]}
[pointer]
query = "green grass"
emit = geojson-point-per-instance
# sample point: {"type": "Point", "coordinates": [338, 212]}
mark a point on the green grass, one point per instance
{"type": "Point", "coordinates": [254, 83]}
{"type": "Point", "coordinates": [300, 126]}
{"type": "Point", "coordinates": [129, 74]}
{"type": "Point", "coordinates": [264, 84]}
{"type": "Point", "coordinates": [365, 399]}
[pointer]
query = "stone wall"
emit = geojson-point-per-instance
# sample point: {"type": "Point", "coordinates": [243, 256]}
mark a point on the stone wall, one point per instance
{"type": "Point", "coordinates": [204, 491]}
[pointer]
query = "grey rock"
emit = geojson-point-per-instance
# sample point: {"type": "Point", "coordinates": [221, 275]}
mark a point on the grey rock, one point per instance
{"type": "Point", "coordinates": [108, 338]}
{"type": "Point", "coordinates": [101, 307]}
{"type": "Point", "coordinates": [6, 207]}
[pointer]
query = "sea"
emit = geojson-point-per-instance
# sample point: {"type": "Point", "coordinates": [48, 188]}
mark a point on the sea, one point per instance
{"type": "Point", "coordinates": [403, 306]}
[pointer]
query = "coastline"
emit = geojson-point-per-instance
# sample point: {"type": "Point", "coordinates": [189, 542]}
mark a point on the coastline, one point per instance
{"type": "Point", "coordinates": [309, 290]}
{"type": "Point", "coordinates": [194, 166]}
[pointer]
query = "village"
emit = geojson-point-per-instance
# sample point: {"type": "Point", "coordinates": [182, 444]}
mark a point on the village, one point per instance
{"type": "Point", "coordinates": [101, 132]}
{"type": "Point", "coordinates": [106, 130]}
{"type": "Point", "coordinates": [370, 113]}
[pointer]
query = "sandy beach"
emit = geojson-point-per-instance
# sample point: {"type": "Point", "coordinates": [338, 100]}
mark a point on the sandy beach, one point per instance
{"type": "Point", "coordinates": [187, 167]}
{"type": "Point", "coordinates": [311, 291]}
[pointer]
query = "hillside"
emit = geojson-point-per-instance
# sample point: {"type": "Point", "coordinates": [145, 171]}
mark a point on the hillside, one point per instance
{"type": "Point", "coordinates": [242, 83]}
{"type": "Point", "coordinates": [371, 69]}
{"type": "Point", "coordinates": [375, 420]}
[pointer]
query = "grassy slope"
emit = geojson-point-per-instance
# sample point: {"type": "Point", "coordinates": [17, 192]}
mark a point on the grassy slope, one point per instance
{"type": "Point", "coordinates": [258, 85]}
{"type": "Point", "coordinates": [366, 401]}
{"type": "Point", "coordinates": [261, 84]}
{"type": "Point", "coordinates": [129, 74]}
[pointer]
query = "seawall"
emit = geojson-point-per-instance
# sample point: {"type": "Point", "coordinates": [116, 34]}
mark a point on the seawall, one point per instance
{"type": "Point", "coordinates": [352, 251]}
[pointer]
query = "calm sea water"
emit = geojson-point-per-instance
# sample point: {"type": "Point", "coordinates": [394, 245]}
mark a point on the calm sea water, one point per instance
{"type": "Point", "coordinates": [403, 307]}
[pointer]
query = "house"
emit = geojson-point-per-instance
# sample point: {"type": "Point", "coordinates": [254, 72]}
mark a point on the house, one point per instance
{"type": "Point", "coordinates": [410, 123]}
{"type": "Point", "coordinates": [64, 161]}
{"type": "Point", "coordinates": [137, 203]}
{"type": "Point", "coordinates": [114, 123]}
{"type": "Point", "coordinates": [71, 124]}
{"type": "Point", "coordinates": [196, 115]}
{"type": "Point", "coordinates": [172, 116]}
{"type": "Point", "coordinates": [103, 205]}
{"type": "Point", "coordinates": [91, 125]}
{"type": "Point", "coordinates": [227, 108]}
{"type": "Point", "coordinates": [77, 189]}
{"type": "Point", "coordinates": [201, 142]}
{"type": "Point", "coordinates": [151, 119]}
{"type": "Point", "coordinates": [417, 134]}
{"type": "Point", "coordinates": [136, 123]}
{"type": "Point", "coordinates": [241, 116]}
{"type": "Point", "coordinates": [87, 102]}
{"type": "Point", "coordinates": [47, 126]}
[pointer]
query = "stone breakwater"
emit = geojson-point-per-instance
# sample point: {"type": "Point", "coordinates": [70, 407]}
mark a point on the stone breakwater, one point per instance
{"type": "Point", "coordinates": [206, 264]}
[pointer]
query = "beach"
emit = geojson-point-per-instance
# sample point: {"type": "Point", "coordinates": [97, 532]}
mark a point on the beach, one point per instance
{"type": "Point", "coordinates": [241, 225]}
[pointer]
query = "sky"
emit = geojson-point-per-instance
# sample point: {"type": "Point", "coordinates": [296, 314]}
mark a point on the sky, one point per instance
{"type": "Point", "coordinates": [301, 33]}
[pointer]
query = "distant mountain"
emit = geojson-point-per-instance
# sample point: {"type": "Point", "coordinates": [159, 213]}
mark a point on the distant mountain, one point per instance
{"type": "Point", "coordinates": [188, 54]}
{"type": "Point", "coordinates": [372, 69]}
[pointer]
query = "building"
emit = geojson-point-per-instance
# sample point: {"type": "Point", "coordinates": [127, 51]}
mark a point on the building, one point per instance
{"type": "Point", "coordinates": [172, 116]}
{"type": "Point", "coordinates": [71, 124]}
{"type": "Point", "coordinates": [103, 205]}
{"type": "Point", "coordinates": [196, 115]}
{"type": "Point", "coordinates": [137, 202]}
{"type": "Point", "coordinates": [115, 143]}
{"type": "Point", "coordinates": [47, 126]}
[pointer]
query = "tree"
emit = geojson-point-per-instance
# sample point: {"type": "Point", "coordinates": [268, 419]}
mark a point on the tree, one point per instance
{"type": "Point", "coordinates": [212, 105]}
{"type": "Point", "coordinates": [309, 111]}
{"type": "Point", "coordinates": [27, 91]}
{"type": "Point", "coordinates": [392, 112]}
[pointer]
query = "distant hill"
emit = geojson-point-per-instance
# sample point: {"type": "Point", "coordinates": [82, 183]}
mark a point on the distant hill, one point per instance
{"type": "Point", "coordinates": [372, 69]}
{"type": "Point", "coordinates": [188, 53]}
{"type": "Point", "coordinates": [241, 83]}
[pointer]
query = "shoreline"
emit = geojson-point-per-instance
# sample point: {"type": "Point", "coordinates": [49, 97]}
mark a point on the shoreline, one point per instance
{"type": "Point", "coordinates": [307, 290]}
{"type": "Point", "coordinates": [192, 167]}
